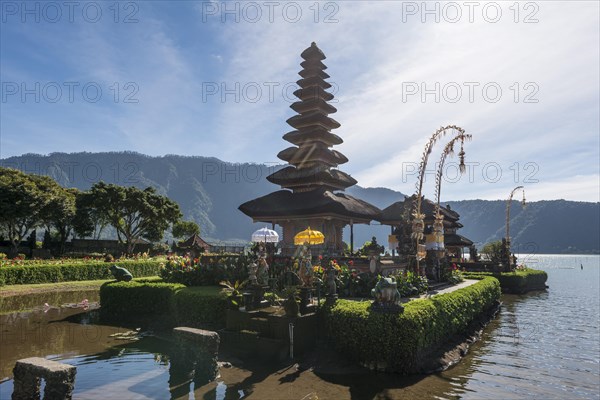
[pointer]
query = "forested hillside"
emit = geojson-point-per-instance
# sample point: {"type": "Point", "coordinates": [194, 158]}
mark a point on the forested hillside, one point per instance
{"type": "Point", "coordinates": [209, 192]}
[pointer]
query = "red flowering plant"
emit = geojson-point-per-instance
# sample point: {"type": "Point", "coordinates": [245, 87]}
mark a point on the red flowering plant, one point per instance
{"type": "Point", "coordinates": [191, 272]}
{"type": "Point", "coordinates": [452, 274]}
{"type": "Point", "coordinates": [349, 281]}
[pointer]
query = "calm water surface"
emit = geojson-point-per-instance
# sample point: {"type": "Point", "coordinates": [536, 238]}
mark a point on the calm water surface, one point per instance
{"type": "Point", "coordinates": [543, 345]}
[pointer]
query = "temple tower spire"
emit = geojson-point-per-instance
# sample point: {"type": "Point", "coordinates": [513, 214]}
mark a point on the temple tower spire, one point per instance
{"type": "Point", "coordinates": [312, 187]}
{"type": "Point", "coordinates": [312, 161]}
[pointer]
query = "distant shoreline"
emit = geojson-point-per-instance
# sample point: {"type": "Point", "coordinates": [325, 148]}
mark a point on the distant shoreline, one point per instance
{"type": "Point", "coordinates": [555, 254]}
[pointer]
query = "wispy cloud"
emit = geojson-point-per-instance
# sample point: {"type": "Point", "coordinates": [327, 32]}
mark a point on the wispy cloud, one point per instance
{"type": "Point", "coordinates": [376, 52]}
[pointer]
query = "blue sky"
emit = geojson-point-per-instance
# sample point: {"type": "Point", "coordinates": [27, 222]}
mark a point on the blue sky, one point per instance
{"type": "Point", "coordinates": [215, 79]}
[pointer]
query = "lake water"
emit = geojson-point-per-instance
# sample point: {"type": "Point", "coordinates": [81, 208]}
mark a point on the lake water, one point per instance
{"type": "Point", "coordinates": [542, 345]}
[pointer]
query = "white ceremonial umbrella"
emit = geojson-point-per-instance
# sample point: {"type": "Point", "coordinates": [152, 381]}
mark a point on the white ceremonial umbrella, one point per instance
{"type": "Point", "coordinates": [265, 235]}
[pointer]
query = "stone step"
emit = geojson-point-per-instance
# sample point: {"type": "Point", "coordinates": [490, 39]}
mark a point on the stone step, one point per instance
{"type": "Point", "coordinates": [260, 325]}
{"type": "Point", "coordinates": [275, 327]}
{"type": "Point", "coordinates": [248, 343]}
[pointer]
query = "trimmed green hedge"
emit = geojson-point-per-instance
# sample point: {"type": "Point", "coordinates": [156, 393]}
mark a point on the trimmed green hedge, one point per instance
{"type": "Point", "coordinates": [402, 342]}
{"type": "Point", "coordinates": [138, 298]}
{"type": "Point", "coordinates": [197, 305]}
{"type": "Point", "coordinates": [164, 304]}
{"type": "Point", "coordinates": [20, 275]}
{"type": "Point", "coordinates": [515, 282]}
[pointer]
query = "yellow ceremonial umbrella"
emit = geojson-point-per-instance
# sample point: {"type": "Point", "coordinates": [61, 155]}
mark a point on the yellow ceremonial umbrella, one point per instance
{"type": "Point", "coordinates": [309, 236]}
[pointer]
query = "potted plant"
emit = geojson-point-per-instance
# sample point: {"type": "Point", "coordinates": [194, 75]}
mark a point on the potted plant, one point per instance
{"type": "Point", "coordinates": [234, 292]}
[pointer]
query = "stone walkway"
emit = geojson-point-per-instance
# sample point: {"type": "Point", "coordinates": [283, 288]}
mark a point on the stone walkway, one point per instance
{"type": "Point", "coordinates": [464, 284]}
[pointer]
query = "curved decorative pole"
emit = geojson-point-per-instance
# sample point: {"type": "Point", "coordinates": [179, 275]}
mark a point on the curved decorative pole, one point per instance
{"type": "Point", "coordinates": [438, 224]}
{"type": "Point", "coordinates": [418, 224]}
{"type": "Point", "coordinates": [425, 157]}
{"type": "Point", "coordinates": [507, 238]}
{"type": "Point", "coordinates": [449, 150]}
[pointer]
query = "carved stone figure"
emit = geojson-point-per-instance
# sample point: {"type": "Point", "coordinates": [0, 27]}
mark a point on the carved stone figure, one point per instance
{"type": "Point", "coordinates": [120, 274]}
{"type": "Point", "coordinates": [306, 269]}
{"type": "Point", "coordinates": [331, 275]}
{"type": "Point", "coordinates": [252, 270]}
{"type": "Point", "coordinates": [386, 292]}
{"type": "Point", "coordinates": [263, 271]}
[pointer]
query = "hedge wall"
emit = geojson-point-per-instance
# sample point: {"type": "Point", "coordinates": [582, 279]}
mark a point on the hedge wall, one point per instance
{"type": "Point", "coordinates": [19, 275]}
{"type": "Point", "coordinates": [161, 303]}
{"type": "Point", "coordinates": [401, 343]}
{"type": "Point", "coordinates": [515, 282]}
{"type": "Point", "coordinates": [195, 306]}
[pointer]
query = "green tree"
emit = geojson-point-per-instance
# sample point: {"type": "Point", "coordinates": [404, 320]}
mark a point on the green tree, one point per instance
{"type": "Point", "coordinates": [370, 245]}
{"type": "Point", "coordinates": [133, 212]}
{"type": "Point", "coordinates": [60, 212]}
{"type": "Point", "coordinates": [88, 220]}
{"type": "Point", "coordinates": [363, 250]}
{"type": "Point", "coordinates": [183, 229]}
{"type": "Point", "coordinates": [493, 251]}
{"type": "Point", "coordinates": [23, 204]}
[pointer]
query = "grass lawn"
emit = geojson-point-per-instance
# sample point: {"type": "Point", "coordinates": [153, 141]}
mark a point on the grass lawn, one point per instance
{"type": "Point", "coordinates": [14, 290]}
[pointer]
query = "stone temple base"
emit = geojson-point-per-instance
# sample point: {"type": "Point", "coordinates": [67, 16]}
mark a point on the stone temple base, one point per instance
{"type": "Point", "coordinates": [28, 372]}
{"type": "Point", "coordinates": [199, 351]}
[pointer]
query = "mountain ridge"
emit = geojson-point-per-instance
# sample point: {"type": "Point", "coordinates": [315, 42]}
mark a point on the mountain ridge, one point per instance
{"type": "Point", "coordinates": [210, 190]}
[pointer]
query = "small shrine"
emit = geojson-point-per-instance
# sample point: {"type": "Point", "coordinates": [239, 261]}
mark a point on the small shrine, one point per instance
{"type": "Point", "coordinates": [311, 184]}
{"type": "Point", "coordinates": [396, 215]}
{"type": "Point", "coordinates": [195, 245]}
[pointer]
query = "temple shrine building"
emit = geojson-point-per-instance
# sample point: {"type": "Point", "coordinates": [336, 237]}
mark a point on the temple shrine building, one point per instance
{"type": "Point", "coordinates": [312, 187]}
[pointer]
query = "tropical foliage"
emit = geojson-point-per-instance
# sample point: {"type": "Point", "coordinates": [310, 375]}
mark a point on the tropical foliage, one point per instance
{"type": "Point", "coordinates": [193, 272]}
{"type": "Point", "coordinates": [183, 229]}
{"type": "Point", "coordinates": [354, 284]}
{"type": "Point", "coordinates": [452, 274]}
{"type": "Point", "coordinates": [134, 213]}
{"type": "Point", "coordinates": [30, 201]}
{"type": "Point", "coordinates": [493, 251]}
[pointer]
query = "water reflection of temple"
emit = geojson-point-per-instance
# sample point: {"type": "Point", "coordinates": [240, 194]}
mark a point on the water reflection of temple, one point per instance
{"type": "Point", "coordinates": [312, 186]}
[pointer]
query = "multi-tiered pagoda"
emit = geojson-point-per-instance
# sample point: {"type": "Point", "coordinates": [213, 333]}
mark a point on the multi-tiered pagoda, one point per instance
{"type": "Point", "coordinates": [311, 179]}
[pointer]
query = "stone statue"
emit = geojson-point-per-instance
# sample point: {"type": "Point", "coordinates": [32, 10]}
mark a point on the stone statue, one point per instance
{"type": "Point", "coordinates": [331, 275]}
{"type": "Point", "coordinates": [373, 263]}
{"type": "Point", "coordinates": [263, 271]}
{"type": "Point", "coordinates": [306, 269]}
{"type": "Point", "coordinates": [386, 292]}
{"type": "Point", "coordinates": [252, 269]}
{"type": "Point", "coordinates": [120, 274]}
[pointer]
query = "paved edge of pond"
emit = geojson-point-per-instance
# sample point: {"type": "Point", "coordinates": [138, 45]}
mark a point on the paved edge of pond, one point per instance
{"type": "Point", "coordinates": [463, 284]}
{"type": "Point", "coordinates": [20, 290]}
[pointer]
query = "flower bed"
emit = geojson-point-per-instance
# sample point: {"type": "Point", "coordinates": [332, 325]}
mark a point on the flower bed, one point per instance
{"type": "Point", "coordinates": [402, 342]}
{"type": "Point", "coordinates": [354, 284]}
{"type": "Point", "coordinates": [73, 270]}
{"type": "Point", "coordinates": [206, 272]}
{"type": "Point", "coordinates": [520, 281]}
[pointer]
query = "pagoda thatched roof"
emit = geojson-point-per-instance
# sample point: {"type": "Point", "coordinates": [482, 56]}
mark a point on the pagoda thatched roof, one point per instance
{"type": "Point", "coordinates": [193, 241]}
{"type": "Point", "coordinates": [456, 240]}
{"type": "Point", "coordinates": [318, 134]}
{"type": "Point", "coordinates": [392, 215]}
{"type": "Point", "coordinates": [312, 155]}
{"type": "Point", "coordinates": [291, 177]}
{"type": "Point", "coordinates": [285, 203]}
